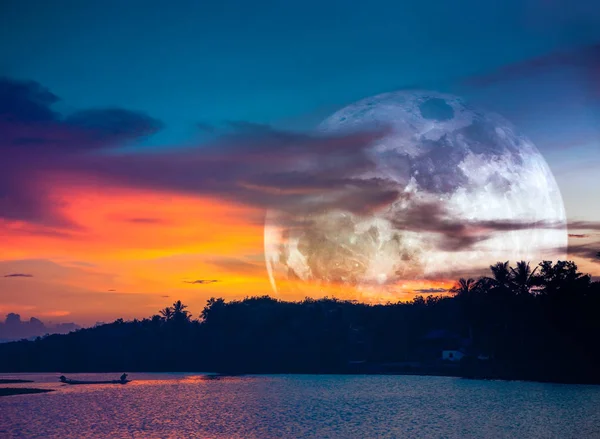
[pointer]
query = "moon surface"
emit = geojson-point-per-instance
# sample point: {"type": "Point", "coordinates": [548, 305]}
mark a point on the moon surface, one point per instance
{"type": "Point", "coordinates": [472, 192]}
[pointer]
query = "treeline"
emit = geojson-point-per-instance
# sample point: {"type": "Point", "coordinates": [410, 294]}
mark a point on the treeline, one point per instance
{"type": "Point", "coordinates": [518, 323]}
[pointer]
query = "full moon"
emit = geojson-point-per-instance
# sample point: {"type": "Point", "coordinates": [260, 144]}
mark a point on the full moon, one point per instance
{"type": "Point", "coordinates": [473, 192]}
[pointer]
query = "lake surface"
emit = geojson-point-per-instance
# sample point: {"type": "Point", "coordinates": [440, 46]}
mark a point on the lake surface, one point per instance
{"type": "Point", "coordinates": [298, 406]}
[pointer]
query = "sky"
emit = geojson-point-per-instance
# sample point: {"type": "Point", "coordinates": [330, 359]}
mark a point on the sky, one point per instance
{"type": "Point", "coordinates": [127, 128]}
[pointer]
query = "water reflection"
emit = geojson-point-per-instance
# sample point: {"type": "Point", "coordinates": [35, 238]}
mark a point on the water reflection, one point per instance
{"type": "Point", "coordinates": [219, 406]}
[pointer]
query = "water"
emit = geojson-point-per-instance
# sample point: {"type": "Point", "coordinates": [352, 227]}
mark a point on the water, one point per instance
{"type": "Point", "coordinates": [294, 406]}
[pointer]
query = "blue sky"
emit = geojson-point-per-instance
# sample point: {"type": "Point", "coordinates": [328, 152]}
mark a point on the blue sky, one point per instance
{"type": "Point", "coordinates": [291, 64]}
{"type": "Point", "coordinates": [273, 61]}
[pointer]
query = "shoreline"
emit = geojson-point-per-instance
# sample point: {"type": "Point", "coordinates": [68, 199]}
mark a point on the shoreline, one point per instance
{"type": "Point", "coordinates": [225, 374]}
{"type": "Point", "coordinates": [11, 381]}
{"type": "Point", "coordinates": [12, 391]}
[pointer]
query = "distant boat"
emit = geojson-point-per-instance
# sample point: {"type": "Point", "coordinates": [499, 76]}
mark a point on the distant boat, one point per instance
{"type": "Point", "coordinates": [66, 380]}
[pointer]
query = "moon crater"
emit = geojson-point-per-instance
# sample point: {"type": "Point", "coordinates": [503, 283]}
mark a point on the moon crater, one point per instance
{"type": "Point", "coordinates": [469, 191]}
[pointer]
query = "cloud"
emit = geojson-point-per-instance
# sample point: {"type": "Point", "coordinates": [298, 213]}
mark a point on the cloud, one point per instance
{"type": "Point", "coordinates": [201, 281]}
{"type": "Point", "coordinates": [458, 235]}
{"type": "Point", "coordinates": [296, 172]}
{"type": "Point", "coordinates": [586, 59]}
{"type": "Point", "coordinates": [35, 138]}
{"type": "Point", "coordinates": [13, 328]}
{"type": "Point", "coordinates": [26, 101]}
{"type": "Point", "coordinates": [431, 290]}
{"type": "Point", "coordinates": [590, 252]}
{"type": "Point", "coordinates": [584, 225]}
{"type": "Point", "coordinates": [576, 235]}
{"type": "Point", "coordinates": [111, 124]}
{"type": "Point", "coordinates": [249, 163]}
{"type": "Point", "coordinates": [29, 125]}
{"type": "Point", "coordinates": [18, 275]}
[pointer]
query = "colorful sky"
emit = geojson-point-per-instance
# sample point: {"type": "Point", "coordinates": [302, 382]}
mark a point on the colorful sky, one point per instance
{"type": "Point", "coordinates": [126, 128]}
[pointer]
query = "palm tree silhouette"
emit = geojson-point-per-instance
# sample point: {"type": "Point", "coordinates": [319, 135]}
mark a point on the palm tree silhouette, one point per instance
{"type": "Point", "coordinates": [463, 287]}
{"type": "Point", "coordinates": [501, 273]}
{"type": "Point", "coordinates": [180, 312]}
{"type": "Point", "coordinates": [522, 277]}
{"type": "Point", "coordinates": [167, 313]}
{"type": "Point", "coordinates": [501, 277]}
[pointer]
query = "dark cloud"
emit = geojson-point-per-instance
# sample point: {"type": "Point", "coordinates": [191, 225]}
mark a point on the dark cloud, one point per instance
{"type": "Point", "coordinates": [590, 252]}
{"type": "Point", "coordinates": [29, 125]}
{"type": "Point", "coordinates": [431, 290]}
{"type": "Point", "coordinates": [26, 101]}
{"type": "Point", "coordinates": [114, 123]}
{"type": "Point", "coordinates": [112, 290]}
{"type": "Point", "coordinates": [18, 275]}
{"type": "Point", "coordinates": [458, 235]}
{"type": "Point", "coordinates": [575, 235]}
{"type": "Point", "coordinates": [292, 171]}
{"type": "Point", "coordinates": [165, 297]}
{"type": "Point", "coordinates": [35, 138]}
{"type": "Point", "coordinates": [253, 164]}
{"type": "Point", "coordinates": [586, 59]}
{"type": "Point", "coordinates": [250, 163]}
{"type": "Point", "coordinates": [585, 225]}
{"type": "Point", "coordinates": [452, 275]}
{"type": "Point", "coordinates": [201, 281]}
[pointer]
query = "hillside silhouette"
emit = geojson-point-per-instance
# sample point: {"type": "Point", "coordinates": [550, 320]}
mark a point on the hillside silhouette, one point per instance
{"type": "Point", "coordinates": [520, 322]}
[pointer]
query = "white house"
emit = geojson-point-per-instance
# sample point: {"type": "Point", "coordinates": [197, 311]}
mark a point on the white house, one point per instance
{"type": "Point", "coordinates": [451, 355]}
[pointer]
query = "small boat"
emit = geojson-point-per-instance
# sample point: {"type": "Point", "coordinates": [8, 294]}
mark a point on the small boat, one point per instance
{"type": "Point", "coordinates": [64, 379]}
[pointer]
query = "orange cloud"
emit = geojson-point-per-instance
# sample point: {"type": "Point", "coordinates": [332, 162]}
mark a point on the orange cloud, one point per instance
{"type": "Point", "coordinates": [138, 243]}
{"type": "Point", "coordinates": [133, 251]}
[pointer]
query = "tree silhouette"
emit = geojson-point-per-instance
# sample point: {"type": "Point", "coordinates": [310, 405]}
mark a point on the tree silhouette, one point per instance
{"type": "Point", "coordinates": [167, 313]}
{"type": "Point", "coordinates": [532, 324]}
{"type": "Point", "coordinates": [213, 307]}
{"type": "Point", "coordinates": [179, 312]}
{"type": "Point", "coordinates": [523, 277]}
{"type": "Point", "coordinates": [463, 287]}
{"type": "Point", "coordinates": [464, 290]}
{"type": "Point", "coordinates": [500, 275]}
{"type": "Point", "coordinates": [562, 278]}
